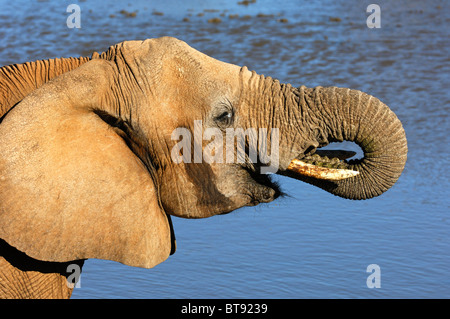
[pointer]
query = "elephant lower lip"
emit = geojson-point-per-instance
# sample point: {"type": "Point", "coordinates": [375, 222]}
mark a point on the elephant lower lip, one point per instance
{"type": "Point", "coordinates": [320, 166]}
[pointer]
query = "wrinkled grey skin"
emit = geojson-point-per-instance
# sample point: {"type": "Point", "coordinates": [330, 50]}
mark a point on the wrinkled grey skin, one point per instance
{"type": "Point", "coordinates": [86, 165]}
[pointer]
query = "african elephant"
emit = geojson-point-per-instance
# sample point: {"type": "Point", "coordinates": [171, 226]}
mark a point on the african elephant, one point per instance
{"type": "Point", "coordinates": [90, 153]}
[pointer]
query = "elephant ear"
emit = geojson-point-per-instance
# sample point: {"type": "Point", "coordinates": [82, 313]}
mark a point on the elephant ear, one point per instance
{"type": "Point", "coordinates": [70, 187]}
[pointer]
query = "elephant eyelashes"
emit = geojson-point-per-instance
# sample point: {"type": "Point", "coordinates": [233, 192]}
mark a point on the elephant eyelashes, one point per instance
{"type": "Point", "coordinates": [224, 118]}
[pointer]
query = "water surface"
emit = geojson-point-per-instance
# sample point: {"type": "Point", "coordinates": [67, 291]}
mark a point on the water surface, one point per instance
{"type": "Point", "coordinates": [310, 244]}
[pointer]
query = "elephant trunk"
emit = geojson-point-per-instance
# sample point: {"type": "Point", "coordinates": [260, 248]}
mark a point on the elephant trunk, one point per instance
{"type": "Point", "coordinates": [351, 115]}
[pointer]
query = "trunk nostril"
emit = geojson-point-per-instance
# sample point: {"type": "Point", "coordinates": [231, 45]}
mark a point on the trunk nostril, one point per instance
{"type": "Point", "coordinates": [310, 150]}
{"type": "Point", "coordinates": [321, 137]}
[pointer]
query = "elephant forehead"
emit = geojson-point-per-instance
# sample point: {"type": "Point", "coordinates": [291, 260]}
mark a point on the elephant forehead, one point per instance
{"type": "Point", "coordinates": [183, 82]}
{"type": "Point", "coordinates": [170, 56]}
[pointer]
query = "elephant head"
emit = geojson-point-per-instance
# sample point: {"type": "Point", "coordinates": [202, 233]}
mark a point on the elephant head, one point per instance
{"type": "Point", "coordinates": [93, 162]}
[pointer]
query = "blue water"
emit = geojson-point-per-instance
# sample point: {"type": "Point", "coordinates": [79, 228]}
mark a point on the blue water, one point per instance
{"type": "Point", "coordinates": [310, 244]}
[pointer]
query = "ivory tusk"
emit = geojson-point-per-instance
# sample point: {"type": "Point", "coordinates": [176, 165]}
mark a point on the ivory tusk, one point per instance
{"type": "Point", "coordinates": [310, 170]}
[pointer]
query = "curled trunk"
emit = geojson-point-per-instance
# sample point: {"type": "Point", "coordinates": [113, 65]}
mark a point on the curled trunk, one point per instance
{"type": "Point", "coordinates": [351, 115]}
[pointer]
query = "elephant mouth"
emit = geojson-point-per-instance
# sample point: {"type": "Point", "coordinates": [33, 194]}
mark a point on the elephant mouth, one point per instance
{"type": "Point", "coordinates": [328, 165]}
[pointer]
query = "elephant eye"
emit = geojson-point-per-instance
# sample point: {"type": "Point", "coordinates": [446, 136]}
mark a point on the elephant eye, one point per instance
{"type": "Point", "coordinates": [224, 118]}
